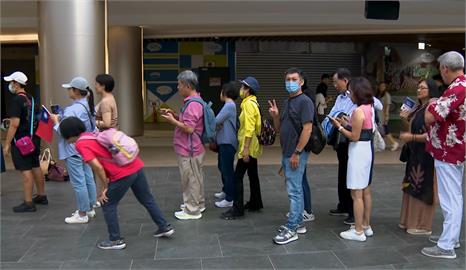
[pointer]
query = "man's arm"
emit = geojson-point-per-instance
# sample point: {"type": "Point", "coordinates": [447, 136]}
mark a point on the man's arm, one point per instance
{"type": "Point", "coordinates": [305, 135]}
{"type": "Point", "coordinates": [14, 124]}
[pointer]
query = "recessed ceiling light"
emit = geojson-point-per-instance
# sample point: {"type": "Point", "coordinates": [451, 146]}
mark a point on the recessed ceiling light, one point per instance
{"type": "Point", "coordinates": [421, 46]}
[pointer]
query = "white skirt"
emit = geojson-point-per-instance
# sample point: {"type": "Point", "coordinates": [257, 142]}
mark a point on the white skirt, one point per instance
{"type": "Point", "coordinates": [360, 161]}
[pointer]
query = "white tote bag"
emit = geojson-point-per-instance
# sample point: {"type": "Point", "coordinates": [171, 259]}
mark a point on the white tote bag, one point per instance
{"type": "Point", "coordinates": [378, 141]}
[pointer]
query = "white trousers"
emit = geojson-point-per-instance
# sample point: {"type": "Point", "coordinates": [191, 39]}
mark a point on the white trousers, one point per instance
{"type": "Point", "coordinates": [450, 193]}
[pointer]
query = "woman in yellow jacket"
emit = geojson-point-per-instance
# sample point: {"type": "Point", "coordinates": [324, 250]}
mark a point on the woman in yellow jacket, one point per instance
{"type": "Point", "coordinates": [249, 150]}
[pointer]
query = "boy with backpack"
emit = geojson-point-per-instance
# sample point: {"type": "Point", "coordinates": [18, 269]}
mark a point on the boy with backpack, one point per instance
{"type": "Point", "coordinates": [195, 126]}
{"type": "Point", "coordinates": [116, 174]}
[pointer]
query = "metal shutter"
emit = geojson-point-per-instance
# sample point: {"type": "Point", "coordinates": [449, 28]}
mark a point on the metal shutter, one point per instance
{"type": "Point", "coordinates": [269, 68]}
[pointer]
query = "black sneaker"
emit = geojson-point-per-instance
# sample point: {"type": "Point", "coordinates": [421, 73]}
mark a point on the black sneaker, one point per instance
{"type": "Point", "coordinates": [167, 231]}
{"type": "Point", "coordinates": [349, 221]}
{"type": "Point", "coordinates": [118, 244]}
{"type": "Point", "coordinates": [40, 199]}
{"type": "Point", "coordinates": [25, 207]}
{"type": "Point", "coordinates": [231, 214]}
{"type": "Point", "coordinates": [337, 212]}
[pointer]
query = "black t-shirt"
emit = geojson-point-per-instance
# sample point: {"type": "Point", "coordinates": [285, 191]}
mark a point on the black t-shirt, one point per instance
{"type": "Point", "coordinates": [297, 111]}
{"type": "Point", "coordinates": [21, 108]}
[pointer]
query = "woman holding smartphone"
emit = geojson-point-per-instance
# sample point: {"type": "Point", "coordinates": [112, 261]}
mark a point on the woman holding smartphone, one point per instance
{"type": "Point", "coordinates": [360, 162]}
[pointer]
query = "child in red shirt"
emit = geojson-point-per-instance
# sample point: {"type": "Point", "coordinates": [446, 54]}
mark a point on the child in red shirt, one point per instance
{"type": "Point", "coordinates": [116, 180]}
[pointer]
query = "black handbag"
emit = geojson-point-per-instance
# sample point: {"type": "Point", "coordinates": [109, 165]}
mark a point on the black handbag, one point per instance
{"type": "Point", "coordinates": [404, 155]}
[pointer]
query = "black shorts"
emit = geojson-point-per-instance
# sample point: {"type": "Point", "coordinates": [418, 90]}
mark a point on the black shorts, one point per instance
{"type": "Point", "coordinates": [26, 163]}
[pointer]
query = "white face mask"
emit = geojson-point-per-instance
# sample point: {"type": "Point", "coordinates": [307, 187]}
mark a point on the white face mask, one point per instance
{"type": "Point", "coordinates": [11, 88]}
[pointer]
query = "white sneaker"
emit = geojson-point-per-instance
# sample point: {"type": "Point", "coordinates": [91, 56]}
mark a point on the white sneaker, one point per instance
{"type": "Point", "coordinates": [183, 206]}
{"type": "Point", "coordinates": [367, 230]}
{"type": "Point", "coordinates": [306, 216]}
{"type": "Point", "coordinates": [220, 195]}
{"type": "Point", "coordinates": [351, 234]}
{"type": "Point", "coordinates": [91, 213]}
{"type": "Point", "coordinates": [97, 205]}
{"type": "Point", "coordinates": [224, 204]}
{"type": "Point", "coordinates": [77, 219]}
{"type": "Point", "coordinates": [182, 215]}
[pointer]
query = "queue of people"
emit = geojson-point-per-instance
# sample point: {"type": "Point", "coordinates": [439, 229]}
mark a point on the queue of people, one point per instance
{"type": "Point", "coordinates": [434, 150]}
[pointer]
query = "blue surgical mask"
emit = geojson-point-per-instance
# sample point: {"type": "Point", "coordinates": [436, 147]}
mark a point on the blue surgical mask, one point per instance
{"type": "Point", "coordinates": [11, 88]}
{"type": "Point", "coordinates": [292, 87]}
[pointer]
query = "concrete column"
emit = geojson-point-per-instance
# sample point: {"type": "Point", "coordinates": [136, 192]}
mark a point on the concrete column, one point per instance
{"type": "Point", "coordinates": [71, 43]}
{"type": "Point", "coordinates": [125, 65]}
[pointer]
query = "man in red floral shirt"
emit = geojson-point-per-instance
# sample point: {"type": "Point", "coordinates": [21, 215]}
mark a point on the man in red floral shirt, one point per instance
{"type": "Point", "coordinates": [446, 119]}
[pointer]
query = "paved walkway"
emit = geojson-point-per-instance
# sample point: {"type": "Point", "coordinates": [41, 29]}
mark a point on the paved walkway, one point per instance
{"type": "Point", "coordinates": [42, 240]}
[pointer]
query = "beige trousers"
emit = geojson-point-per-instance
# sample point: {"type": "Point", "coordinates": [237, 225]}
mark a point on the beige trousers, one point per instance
{"type": "Point", "coordinates": [192, 182]}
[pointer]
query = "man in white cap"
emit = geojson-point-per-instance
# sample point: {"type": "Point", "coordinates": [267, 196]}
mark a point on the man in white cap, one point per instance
{"type": "Point", "coordinates": [22, 121]}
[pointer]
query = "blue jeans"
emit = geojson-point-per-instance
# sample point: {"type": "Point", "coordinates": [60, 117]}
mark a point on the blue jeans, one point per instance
{"type": "Point", "coordinates": [294, 186]}
{"type": "Point", "coordinates": [226, 163]}
{"type": "Point", "coordinates": [115, 192]}
{"type": "Point", "coordinates": [306, 193]}
{"type": "Point", "coordinates": [82, 180]}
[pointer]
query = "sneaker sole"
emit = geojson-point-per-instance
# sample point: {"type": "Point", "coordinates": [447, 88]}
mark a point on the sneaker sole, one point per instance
{"type": "Point", "coordinates": [294, 238]}
{"type": "Point", "coordinates": [457, 245]}
{"type": "Point", "coordinates": [202, 209]}
{"type": "Point", "coordinates": [222, 206]}
{"type": "Point", "coordinates": [26, 211]}
{"type": "Point", "coordinates": [348, 223]}
{"type": "Point", "coordinates": [189, 218]}
{"type": "Point", "coordinates": [166, 234]}
{"type": "Point", "coordinates": [113, 247]}
{"type": "Point", "coordinates": [439, 256]}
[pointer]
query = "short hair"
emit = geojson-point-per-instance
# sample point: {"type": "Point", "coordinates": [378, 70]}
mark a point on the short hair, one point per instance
{"type": "Point", "coordinates": [105, 80]}
{"type": "Point", "coordinates": [454, 61]}
{"type": "Point", "coordinates": [71, 127]}
{"type": "Point", "coordinates": [188, 77]}
{"type": "Point", "coordinates": [361, 90]}
{"type": "Point", "coordinates": [324, 76]}
{"type": "Point", "coordinates": [343, 73]}
{"type": "Point", "coordinates": [294, 70]}
{"type": "Point", "coordinates": [230, 90]}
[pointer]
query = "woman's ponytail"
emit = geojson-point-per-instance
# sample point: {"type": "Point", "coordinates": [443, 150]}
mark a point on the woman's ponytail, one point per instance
{"type": "Point", "coordinates": [90, 101]}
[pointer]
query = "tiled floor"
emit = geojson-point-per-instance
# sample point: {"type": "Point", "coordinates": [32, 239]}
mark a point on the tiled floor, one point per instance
{"type": "Point", "coordinates": [42, 240]}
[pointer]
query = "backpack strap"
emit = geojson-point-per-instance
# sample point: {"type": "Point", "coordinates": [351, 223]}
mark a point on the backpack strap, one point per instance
{"type": "Point", "coordinates": [183, 109]}
{"type": "Point", "coordinates": [88, 115]}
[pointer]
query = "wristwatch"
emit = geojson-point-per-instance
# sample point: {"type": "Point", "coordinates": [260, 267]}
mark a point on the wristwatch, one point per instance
{"type": "Point", "coordinates": [297, 152]}
{"type": "Point", "coordinates": [340, 128]}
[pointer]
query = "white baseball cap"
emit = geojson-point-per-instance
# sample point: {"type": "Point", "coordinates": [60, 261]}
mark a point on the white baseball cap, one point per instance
{"type": "Point", "coordinates": [77, 82]}
{"type": "Point", "coordinates": [17, 76]}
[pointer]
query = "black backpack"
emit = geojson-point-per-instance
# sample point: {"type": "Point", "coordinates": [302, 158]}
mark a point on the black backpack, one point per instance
{"type": "Point", "coordinates": [317, 140]}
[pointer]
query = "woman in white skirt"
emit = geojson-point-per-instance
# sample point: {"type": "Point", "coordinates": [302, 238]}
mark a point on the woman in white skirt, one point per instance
{"type": "Point", "coordinates": [360, 156]}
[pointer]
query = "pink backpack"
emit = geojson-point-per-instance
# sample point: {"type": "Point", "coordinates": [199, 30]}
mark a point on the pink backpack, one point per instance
{"type": "Point", "coordinates": [123, 148]}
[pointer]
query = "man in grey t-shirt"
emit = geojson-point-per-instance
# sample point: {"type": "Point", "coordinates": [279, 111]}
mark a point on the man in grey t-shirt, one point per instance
{"type": "Point", "coordinates": [295, 125]}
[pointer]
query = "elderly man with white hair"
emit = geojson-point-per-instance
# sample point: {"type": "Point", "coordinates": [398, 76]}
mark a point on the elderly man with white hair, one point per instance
{"type": "Point", "coordinates": [446, 119]}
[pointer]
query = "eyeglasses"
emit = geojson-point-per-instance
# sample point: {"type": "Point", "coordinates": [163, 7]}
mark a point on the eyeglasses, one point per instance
{"type": "Point", "coordinates": [422, 88]}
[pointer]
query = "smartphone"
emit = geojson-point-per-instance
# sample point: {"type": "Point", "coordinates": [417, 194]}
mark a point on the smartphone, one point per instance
{"type": "Point", "coordinates": [55, 108]}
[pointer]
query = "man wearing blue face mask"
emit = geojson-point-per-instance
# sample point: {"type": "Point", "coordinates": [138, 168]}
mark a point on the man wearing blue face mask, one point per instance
{"type": "Point", "coordinates": [295, 125]}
